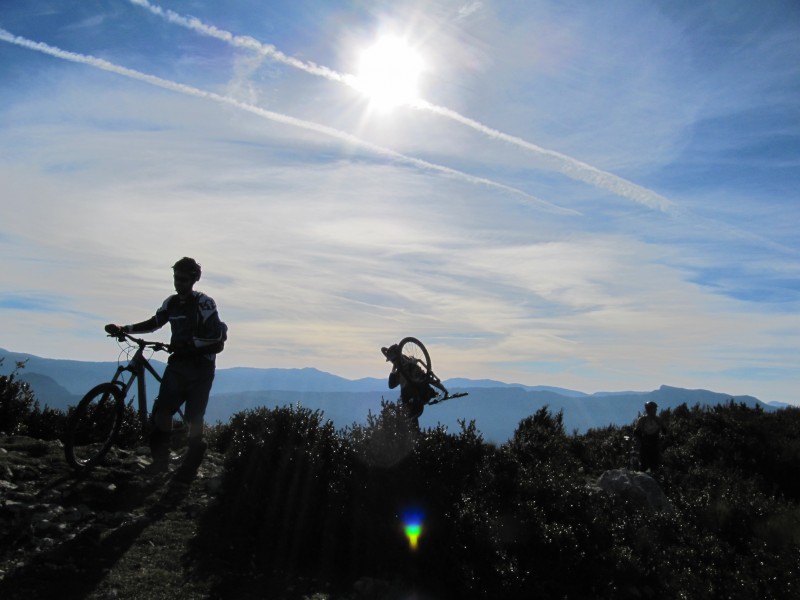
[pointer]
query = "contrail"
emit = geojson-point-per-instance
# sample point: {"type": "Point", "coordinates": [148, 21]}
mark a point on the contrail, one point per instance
{"type": "Point", "coordinates": [105, 65]}
{"type": "Point", "coordinates": [243, 41]}
{"type": "Point", "coordinates": [567, 165]}
{"type": "Point", "coordinates": [562, 163]}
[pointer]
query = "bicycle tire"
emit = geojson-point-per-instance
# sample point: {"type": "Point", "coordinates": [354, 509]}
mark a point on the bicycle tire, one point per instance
{"type": "Point", "coordinates": [93, 426]}
{"type": "Point", "coordinates": [412, 348]}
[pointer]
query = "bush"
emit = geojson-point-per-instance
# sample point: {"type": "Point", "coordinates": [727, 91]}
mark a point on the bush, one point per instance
{"type": "Point", "coordinates": [279, 507]}
{"type": "Point", "coordinates": [20, 413]}
{"type": "Point", "coordinates": [45, 424]}
{"type": "Point", "coordinates": [309, 508]}
{"type": "Point", "coordinates": [17, 402]}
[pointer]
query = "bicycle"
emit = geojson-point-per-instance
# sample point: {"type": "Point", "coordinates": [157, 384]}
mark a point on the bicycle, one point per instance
{"type": "Point", "coordinates": [94, 423]}
{"type": "Point", "coordinates": [415, 366]}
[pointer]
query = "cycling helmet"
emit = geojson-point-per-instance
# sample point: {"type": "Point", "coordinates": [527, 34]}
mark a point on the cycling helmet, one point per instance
{"type": "Point", "coordinates": [190, 266]}
{"type": "Point", "coordinates": [650, 404]}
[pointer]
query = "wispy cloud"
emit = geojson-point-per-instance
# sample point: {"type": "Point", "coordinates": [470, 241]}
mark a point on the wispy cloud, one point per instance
{"type": "Point", "coordinates": [277, 117]}
{"type": "Point", "coordinates": [562, 163]}
{"type": "Point", "coordinates": [29, 303]}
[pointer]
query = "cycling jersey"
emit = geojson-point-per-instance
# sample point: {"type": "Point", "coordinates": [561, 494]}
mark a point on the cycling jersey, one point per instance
{"type": "Point", "coordinates": [194, 322]}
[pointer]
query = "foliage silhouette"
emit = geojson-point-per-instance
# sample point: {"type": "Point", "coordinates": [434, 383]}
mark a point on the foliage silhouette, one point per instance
{"type": "Point", "coordinates": [310, 508]}
{"type": "Point", "coordinates": [17, 402]}
{"type": "Point", "coordinates": [305, 508]}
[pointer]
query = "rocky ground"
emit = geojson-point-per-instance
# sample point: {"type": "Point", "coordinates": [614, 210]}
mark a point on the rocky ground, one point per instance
{"type": "Point", "coordinates": [111, 533]}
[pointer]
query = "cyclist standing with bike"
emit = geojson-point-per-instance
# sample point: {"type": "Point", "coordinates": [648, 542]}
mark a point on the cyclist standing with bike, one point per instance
{"type": "Point", "coordinates": [197, 335]}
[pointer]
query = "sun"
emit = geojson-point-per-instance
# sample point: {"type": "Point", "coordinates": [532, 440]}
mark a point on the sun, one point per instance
{"type": "Point", "coordinates": [389, 72]}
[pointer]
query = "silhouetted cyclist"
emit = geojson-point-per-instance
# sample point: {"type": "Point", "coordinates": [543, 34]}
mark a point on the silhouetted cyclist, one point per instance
{"type": "Point", "coordinates": [197, 335]}
{"type": "Point", "coordinates": [414, 395]}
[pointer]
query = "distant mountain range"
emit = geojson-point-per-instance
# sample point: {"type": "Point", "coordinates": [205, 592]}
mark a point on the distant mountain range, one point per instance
{"type": "Point", "coordinates": [496, 407]}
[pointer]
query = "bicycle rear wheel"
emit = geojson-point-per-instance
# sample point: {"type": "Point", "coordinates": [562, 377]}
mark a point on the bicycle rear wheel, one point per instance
{"type": "Point", "coordinates": [418, 369]}
{"type": "Point", "coordinates": [93, 426]}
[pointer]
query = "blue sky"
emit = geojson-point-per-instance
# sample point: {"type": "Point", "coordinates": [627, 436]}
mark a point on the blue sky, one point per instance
{"type": "Point", "coordinates": [598, 196]}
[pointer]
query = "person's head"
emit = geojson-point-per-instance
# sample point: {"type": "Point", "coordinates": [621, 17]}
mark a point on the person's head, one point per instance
{"type": "Point", "coordinates": [185, 273]}
{"type": "Point", "coordinates": [392, 353]}
{"type": "Point", "coordinates": [650, 407]}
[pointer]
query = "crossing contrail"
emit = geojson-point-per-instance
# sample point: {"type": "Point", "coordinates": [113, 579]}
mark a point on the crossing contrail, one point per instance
{"type": "Point", "coordinates": [242, 41]}
{"type": "Point", "coordinates": [181, 88]}
{"type": "Point", "coordinates": [562, 163]}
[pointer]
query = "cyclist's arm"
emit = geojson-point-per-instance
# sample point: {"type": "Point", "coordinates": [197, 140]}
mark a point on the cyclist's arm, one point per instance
{"type": "Point", "coordinates": [144, 327]}
{"type": "Point", "coordinates": [394, 379]}
{"type": "Point", "coordinates": [157, 321]}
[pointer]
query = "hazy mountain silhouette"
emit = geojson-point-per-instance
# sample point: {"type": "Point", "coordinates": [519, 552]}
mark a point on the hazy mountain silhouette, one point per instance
{"type": "Point", "coordinates": [46, 387]}
{"type": "Point", "coordinates": [496, 407]}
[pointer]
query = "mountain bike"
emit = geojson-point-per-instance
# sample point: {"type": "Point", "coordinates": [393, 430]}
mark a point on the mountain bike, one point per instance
{"type": "Point", "coordinates": [414, 365]}
{"type": "Point", "coordinates": [94, 424]}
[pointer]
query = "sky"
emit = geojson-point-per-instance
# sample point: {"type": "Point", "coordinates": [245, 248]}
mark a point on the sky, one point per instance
{"type": "Point", "coordinates": [600, 196]}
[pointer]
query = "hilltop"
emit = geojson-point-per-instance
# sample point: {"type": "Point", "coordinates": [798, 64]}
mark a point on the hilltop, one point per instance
{"type": "Point", "coordinates": [287, 506]}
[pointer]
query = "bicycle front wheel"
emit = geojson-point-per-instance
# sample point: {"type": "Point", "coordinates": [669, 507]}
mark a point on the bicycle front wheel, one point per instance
{"type": "Point", "coordinates": [418, 368]}
{"type": "Point", "coordinates": [93, 426]}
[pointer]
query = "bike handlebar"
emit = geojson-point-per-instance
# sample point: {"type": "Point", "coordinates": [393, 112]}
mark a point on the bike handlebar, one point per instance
{"type": "Point", "coordinates": [123, 335]}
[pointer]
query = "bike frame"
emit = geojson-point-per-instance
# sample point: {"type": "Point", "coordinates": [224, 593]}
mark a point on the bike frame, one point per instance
{"type": "Point", "coordinates": [137, 366]}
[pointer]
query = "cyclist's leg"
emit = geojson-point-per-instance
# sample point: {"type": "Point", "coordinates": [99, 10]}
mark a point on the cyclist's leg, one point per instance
{"type": "Point", "coordinates": [170, 396]}
{"type": "Point", "coordinates": [648, 458]}
{"type": "Point", "coordinates": [196, 403]}
{"type": "Point", "coordinates": [197, 397]}
{"type": "Point", "coordinates": [412, 402]}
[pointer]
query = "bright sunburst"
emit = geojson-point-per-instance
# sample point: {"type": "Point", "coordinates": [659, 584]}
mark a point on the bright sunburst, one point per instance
{"type": "Point", "coordinates": [389, 73]}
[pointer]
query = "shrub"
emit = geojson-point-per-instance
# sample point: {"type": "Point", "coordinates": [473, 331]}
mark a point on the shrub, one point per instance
{"type": "Point", "coordinates": [311, 508]}
{"type": "Point", "coordinates": [16, 402]}
{"type": "Point", "coordinates": [20, 413]}
{"type": "Point", "coordinates": [45, 424]}
{"type": "Point", "coordinates": [279, 508]}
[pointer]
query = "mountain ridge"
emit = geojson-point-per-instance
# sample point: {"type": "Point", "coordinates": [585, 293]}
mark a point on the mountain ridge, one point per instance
{"type": "Point", "coordinates": [495, 406]}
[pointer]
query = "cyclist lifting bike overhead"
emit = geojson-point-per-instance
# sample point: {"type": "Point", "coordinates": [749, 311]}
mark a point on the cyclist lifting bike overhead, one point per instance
{"type": "Point", "coordinates": [197, 335]}
{"type": "Point", "coordinates": [411, 370]}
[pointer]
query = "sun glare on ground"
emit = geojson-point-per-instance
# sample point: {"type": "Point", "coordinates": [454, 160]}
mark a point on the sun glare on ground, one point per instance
{"type": "Point", "coordinates": [389, 73]}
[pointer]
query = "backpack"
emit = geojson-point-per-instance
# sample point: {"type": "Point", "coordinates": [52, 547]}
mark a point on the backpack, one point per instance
{"type": "Point", "coordinates": [220, 345]}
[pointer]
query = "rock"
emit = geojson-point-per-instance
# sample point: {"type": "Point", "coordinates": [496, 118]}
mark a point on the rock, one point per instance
{"type": "Point", "coordinates": [636, 487]}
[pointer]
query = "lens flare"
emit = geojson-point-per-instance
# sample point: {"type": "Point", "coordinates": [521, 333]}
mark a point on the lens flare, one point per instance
{"type": "Point", "coordinates": [412, 533]}
{"type": "Point", "coordinates": [412, 526]}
